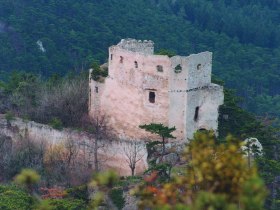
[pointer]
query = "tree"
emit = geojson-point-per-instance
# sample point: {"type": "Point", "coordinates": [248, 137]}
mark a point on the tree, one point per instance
{"type": "Point", "coordinates": [66, 101]}
{"type": "Point", "coordinates": [134, 152]}
{"type": "Point", "coordinates": [98, 131]}
{"type": "Point", "coordinates": [163, 131]}
{"type": "Point", "coordinates": [216, 176]}
{"type": "Point", "coordinates": [28, 178]}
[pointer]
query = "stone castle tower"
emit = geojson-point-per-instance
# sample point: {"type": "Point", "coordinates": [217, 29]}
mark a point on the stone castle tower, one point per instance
{"type": "Point", "coordinates": [143, 88]}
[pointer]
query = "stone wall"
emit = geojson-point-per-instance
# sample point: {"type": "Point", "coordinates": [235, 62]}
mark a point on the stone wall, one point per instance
{"type": "Point", "coordinates": [181, 85]}
{"type": "Point", "coordinates": [145, 47]}
{"type": "Point", "coordinates": [112, 152]}
{"type": "Point", "coordinates": [124, 96]}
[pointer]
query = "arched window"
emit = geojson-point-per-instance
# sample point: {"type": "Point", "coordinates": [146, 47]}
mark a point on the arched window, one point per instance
{"type": "Point", "coordinates": [198, 67]}
{"type": "Point", "coordinates": [178, 69]}
{"type": "Point", "coordinates": [121, 59]}
{"type": "Point", "coordinates": [111, 56]}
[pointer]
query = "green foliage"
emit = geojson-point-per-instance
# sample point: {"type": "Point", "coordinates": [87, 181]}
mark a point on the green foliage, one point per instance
{"type": "Point", "coordinates": [217, 177]}
{"type": "Point", "coordinates": [27, 178]}
{"type": "Point", "coordinates": [163, 131]}
{"type": "Point", "coordinates": [56, 123]}
{"type": "Point", "coordinates": [97, 72]}
{"type": "Point", "coordinates": [14, 198]}
{"type": "Point", "coordinates": [163, 170]}
{"type": "Point", "coordinates": [206, 200]}
{"type": "Point", "coordinates": [103, 183]}
{"type": "Point", "coordinates": [243, 36]}
{"type": "Point", "coordinates": [159, 129]}
{"type": "Point", "coordinates": [107, 179]}
{"type": "Point", "coordinates": [80, 192]}
{"type": "Point", "coordinates": [169, 53]}
{"type": "Point", "coordinates": [62, 204]}
{"type": "Point", "coordinates": [116, 195]}
{"type": "Point", "coordinates": [9, 116]}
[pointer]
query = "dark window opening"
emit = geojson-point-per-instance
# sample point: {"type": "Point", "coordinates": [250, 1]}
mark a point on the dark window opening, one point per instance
{"type": "Point", "coordinates": [178, 68]}
{"type": "Point", "coordinates": [198, 67]}
{"type": "Point", "coordinates": [152, 97]}
{"type": "Point", "coordinates": [121, 59]}
{"type": "Point", "coordinates": [202, 130]}
{"type": "Point", "coordinates": [136, 64]}
{"type": "Point", "coordinates": [196, 113]}
{"type": "Point", "coordinates": [159, 68]}
{"type": "Point", "coordinates": [96, 89]}
{"type": "Point", "coordinates": [111, 56]}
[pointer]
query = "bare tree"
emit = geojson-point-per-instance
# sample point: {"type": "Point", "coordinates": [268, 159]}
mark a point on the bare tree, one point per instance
{"type": "Point", "coordinates": [67, 101]}
{"type": "Point", "coordinates": [134, 152]}
{"type": "Point", "coordinates": [71, 152]}
{"type": "Point", "coordinates": [99, 134]}
{"type": "Point", "coordinates": [5, 155]}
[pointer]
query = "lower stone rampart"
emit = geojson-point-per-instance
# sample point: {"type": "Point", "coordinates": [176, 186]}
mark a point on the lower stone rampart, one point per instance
{"type": "Point", "coordinates": [111, 152]}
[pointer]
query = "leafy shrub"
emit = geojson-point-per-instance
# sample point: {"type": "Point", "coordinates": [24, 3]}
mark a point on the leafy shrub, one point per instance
{"type": "Point", "coordinates": [9, 116]}
{"type": "Point", "coordinates": [27, 178]}
{"type": "Point", "coordinates": [14, 198]}
{"type": "Point", "coordinates": [169, 53]}
{"type": "Point", "coordinates": [98, 72]}
{"type": "Point", "coordinates": [80, 192]}
{"type": "Point", "coordinates": [217, 176]}
{"type": "Point", "coordinates": [63, 204]}
{"type": "Point", "coordinates": [56, 123]}
{"type": "Point", "coordinates": [117, 197]}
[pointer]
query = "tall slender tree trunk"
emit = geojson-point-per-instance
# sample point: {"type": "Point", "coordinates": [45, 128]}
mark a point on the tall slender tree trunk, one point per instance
{"type": "Point", "coordinates": [96, 165]}
{"type": "Point", "coordinates": [163, 146]}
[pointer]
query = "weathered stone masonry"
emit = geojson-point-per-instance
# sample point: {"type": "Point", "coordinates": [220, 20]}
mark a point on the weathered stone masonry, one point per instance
{"type": "Point", "coordinates": [142, 88]}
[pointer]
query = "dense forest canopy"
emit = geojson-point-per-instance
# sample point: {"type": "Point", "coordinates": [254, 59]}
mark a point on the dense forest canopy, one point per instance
{"type": "Point", "coordinates": [51, 36]}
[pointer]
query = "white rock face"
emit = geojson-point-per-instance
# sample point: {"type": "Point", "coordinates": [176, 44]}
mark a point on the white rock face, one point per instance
{"type": "Point", "coordinates": [41, 47]}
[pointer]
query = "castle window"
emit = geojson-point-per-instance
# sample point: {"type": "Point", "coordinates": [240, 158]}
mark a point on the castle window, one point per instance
{"type": "Point", "coordinates": [152, 97]}
{"type": "Point", "coordinates": [136, 64]}
{"type": "Point", "coordinates": [159, 68]}
{"type": "Point", "coordinates": [198, 67]}
{"type": "Point", "coordinates": [111, 56]}
{"type": "Point", "coordinates": [96, 89]}
{"type": "Point", "coordinates": [121, 59]}
{"type": "Point", "coordinates": [178, 69]}
{"type": "Point", "coordinates": [196, 114]}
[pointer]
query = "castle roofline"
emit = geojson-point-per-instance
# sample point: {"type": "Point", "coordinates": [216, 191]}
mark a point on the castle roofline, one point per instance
{"type": "Point", "coordinates": [139, 46]}
{"type": "Point", "coordinates": [146, 47]}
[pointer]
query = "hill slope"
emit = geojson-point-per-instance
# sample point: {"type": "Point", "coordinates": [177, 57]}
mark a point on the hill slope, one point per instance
{"type": "Point", "coordinates": [57, 36]}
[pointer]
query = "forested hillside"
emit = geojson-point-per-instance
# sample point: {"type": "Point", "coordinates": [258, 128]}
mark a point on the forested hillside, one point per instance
{"type": "Point", "coordinates": [51, 36]}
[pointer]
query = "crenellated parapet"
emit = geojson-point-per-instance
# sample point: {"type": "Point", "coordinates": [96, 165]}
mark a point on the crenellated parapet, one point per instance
{"type": "Point", "coordinates": [133, 45]}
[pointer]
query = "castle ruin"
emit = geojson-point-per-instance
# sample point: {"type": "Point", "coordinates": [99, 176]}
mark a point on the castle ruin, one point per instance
{"type": "Point", "coordinates": [144, 88]}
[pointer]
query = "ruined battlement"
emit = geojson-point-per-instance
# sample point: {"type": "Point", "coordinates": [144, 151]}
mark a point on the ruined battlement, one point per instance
{"type": "Point", "coordinates": [133, 45]}
{"type": "Point", "coordinates": [144, 88]}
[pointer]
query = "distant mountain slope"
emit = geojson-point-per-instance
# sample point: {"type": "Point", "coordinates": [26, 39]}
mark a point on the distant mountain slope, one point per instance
{"type": "Point", "coordinates": [51, 36]}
